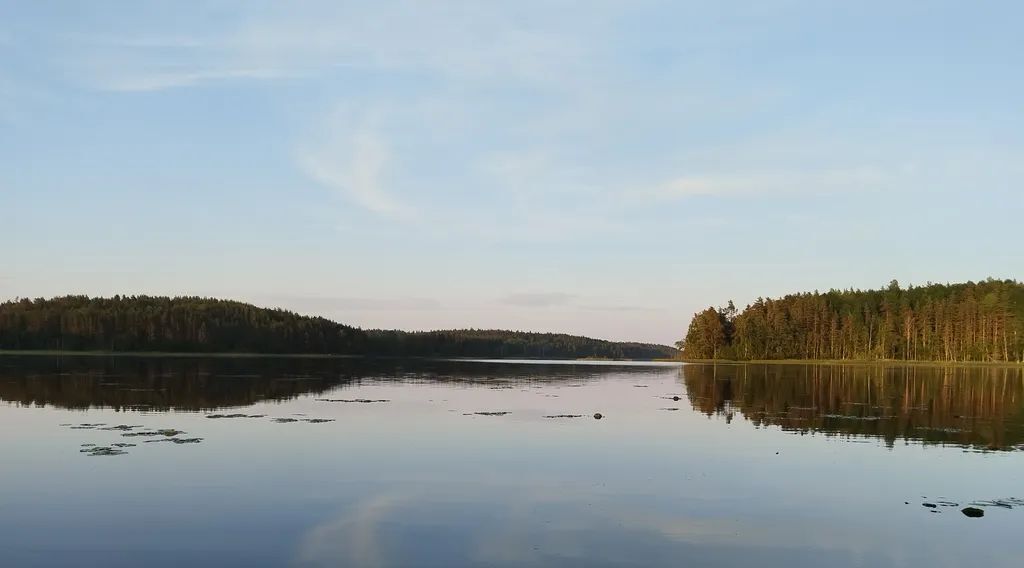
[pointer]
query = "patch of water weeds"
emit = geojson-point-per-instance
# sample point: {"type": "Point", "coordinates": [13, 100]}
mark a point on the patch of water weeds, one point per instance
{"type": "Point", "coordinates": [307, 420]}
{"type": "Point", "coordinates": [359, 400]}
{"type": "Point", "coordinates": [236, 415]}
{"type": "Point", "coordinates": [502, 413]}
{"type": "Point", "coordinates": [88, 426]}
{"type": "Point", "coordinates": [564, 416]}
{"type": "Point", "coordinates": [164, 432]}
{"type": "Point", "coordinates": [103, 451]}
{"type": "Point", "coordinates": [177, 440]}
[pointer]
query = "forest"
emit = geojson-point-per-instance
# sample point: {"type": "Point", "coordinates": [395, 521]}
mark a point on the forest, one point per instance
{"type": "Point", "coordinates": [205, 325]}
{"type": "Point", "coordinates": [972, 321]}
{"type": "Point", "coordinates": [498, 344]}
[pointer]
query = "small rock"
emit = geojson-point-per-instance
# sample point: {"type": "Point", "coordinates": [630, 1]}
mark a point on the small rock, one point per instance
{"type": "Point", "coordinates": [973, 512]}
{"type": "Point", "coordinates": [675, 398]}
{"type": "Point", "coordinates": [929, 505]}
{"type": "Point", "coordinates": [598, 416]}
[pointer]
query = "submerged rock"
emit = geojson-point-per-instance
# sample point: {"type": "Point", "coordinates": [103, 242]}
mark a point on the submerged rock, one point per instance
{"type": "Point", "coordinates": [929, 505]}
{"type": "Point", "coordinates": [972, 512]}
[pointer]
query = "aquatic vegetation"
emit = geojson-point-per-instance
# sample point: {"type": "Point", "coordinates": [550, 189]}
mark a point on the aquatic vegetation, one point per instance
{"type": "Point", "coordinates": [177, 440]}
{"type": "Point", "coordinates": [235, 415]}
{"type": "Point", "coordinates": [163, 432]}
{"type": "Point", "coordinates": [502, 413]}
{"type": "Point", "coordinates": [359, 400]}
{"type": "Point", "coordinates": [103, 451]}
{"type": "Point", "coordinates": [564, 416]}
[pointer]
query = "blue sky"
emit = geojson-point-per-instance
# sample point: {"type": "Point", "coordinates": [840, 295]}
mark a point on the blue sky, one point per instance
{"type": "Point", "coordinates": [602, 168]}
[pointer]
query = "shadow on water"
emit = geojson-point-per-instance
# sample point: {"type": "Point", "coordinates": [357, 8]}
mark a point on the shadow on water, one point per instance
{"type": "Point", "coordinates": [211, 383]}
{"type": "Point", "coordinates": [979, 408]}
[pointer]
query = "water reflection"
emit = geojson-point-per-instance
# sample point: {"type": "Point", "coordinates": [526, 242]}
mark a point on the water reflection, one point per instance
{"type": "Point", "coordinates": [210, 383]}
{"type": "Point", "coordinates": [976, 407]}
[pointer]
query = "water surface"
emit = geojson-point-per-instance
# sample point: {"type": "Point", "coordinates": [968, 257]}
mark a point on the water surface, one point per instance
{"type": "Point", "coordinates": [339, 462]}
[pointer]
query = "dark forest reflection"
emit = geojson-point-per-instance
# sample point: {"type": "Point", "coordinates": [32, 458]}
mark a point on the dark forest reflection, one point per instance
{"type": "Point", "coordinates": [976, 407]}
{"type": "Point", "coordinates": [209, 383]}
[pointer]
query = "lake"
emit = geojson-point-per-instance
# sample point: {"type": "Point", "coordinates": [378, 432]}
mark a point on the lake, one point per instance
{"type": "Point", "coordinates": [236, 461]}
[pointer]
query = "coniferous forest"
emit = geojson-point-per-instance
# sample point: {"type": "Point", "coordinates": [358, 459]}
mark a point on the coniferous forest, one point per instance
{"type": "Point", "coordinates": [973, 321]}
{"type": "Point", "coordinates": [204, 325]}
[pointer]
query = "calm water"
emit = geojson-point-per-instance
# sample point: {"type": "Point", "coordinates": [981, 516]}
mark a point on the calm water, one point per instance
{"type": "Point", "coordinates": [753, 465]}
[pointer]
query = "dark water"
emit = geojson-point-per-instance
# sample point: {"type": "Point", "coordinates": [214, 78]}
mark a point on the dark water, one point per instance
{"type": "Point", "coordinates": [753, 465]}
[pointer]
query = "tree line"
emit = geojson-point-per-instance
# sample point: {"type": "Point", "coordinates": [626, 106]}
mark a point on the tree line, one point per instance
{"type": "Point", "coordinates": [494, 343]}
{"type": "Point", "coordinates": [972, 321]}
{"type": "Point", "coordinates": [207, 325]}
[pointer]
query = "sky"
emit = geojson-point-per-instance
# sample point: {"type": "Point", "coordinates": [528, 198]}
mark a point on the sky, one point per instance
{"type": "Point", "coordinates": [598, 168]}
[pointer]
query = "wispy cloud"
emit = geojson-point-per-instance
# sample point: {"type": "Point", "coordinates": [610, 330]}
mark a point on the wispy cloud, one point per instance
{"type": "Point", "coordinates": [351, 158]}
{"type": "Point", "coordinates": [774, 183]}
{"type": "Point", "coordinates": [155, 80]}
{"type": "Point", "coordinates": [537, 299]}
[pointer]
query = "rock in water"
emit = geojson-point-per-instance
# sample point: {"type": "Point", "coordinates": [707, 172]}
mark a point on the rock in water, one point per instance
{"type": "Point", "coordinates": [598, 416]}
{"type": "Point", "coordinates": [973, 512]}
{"type": "Point", "coordinates": [675, 398]}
